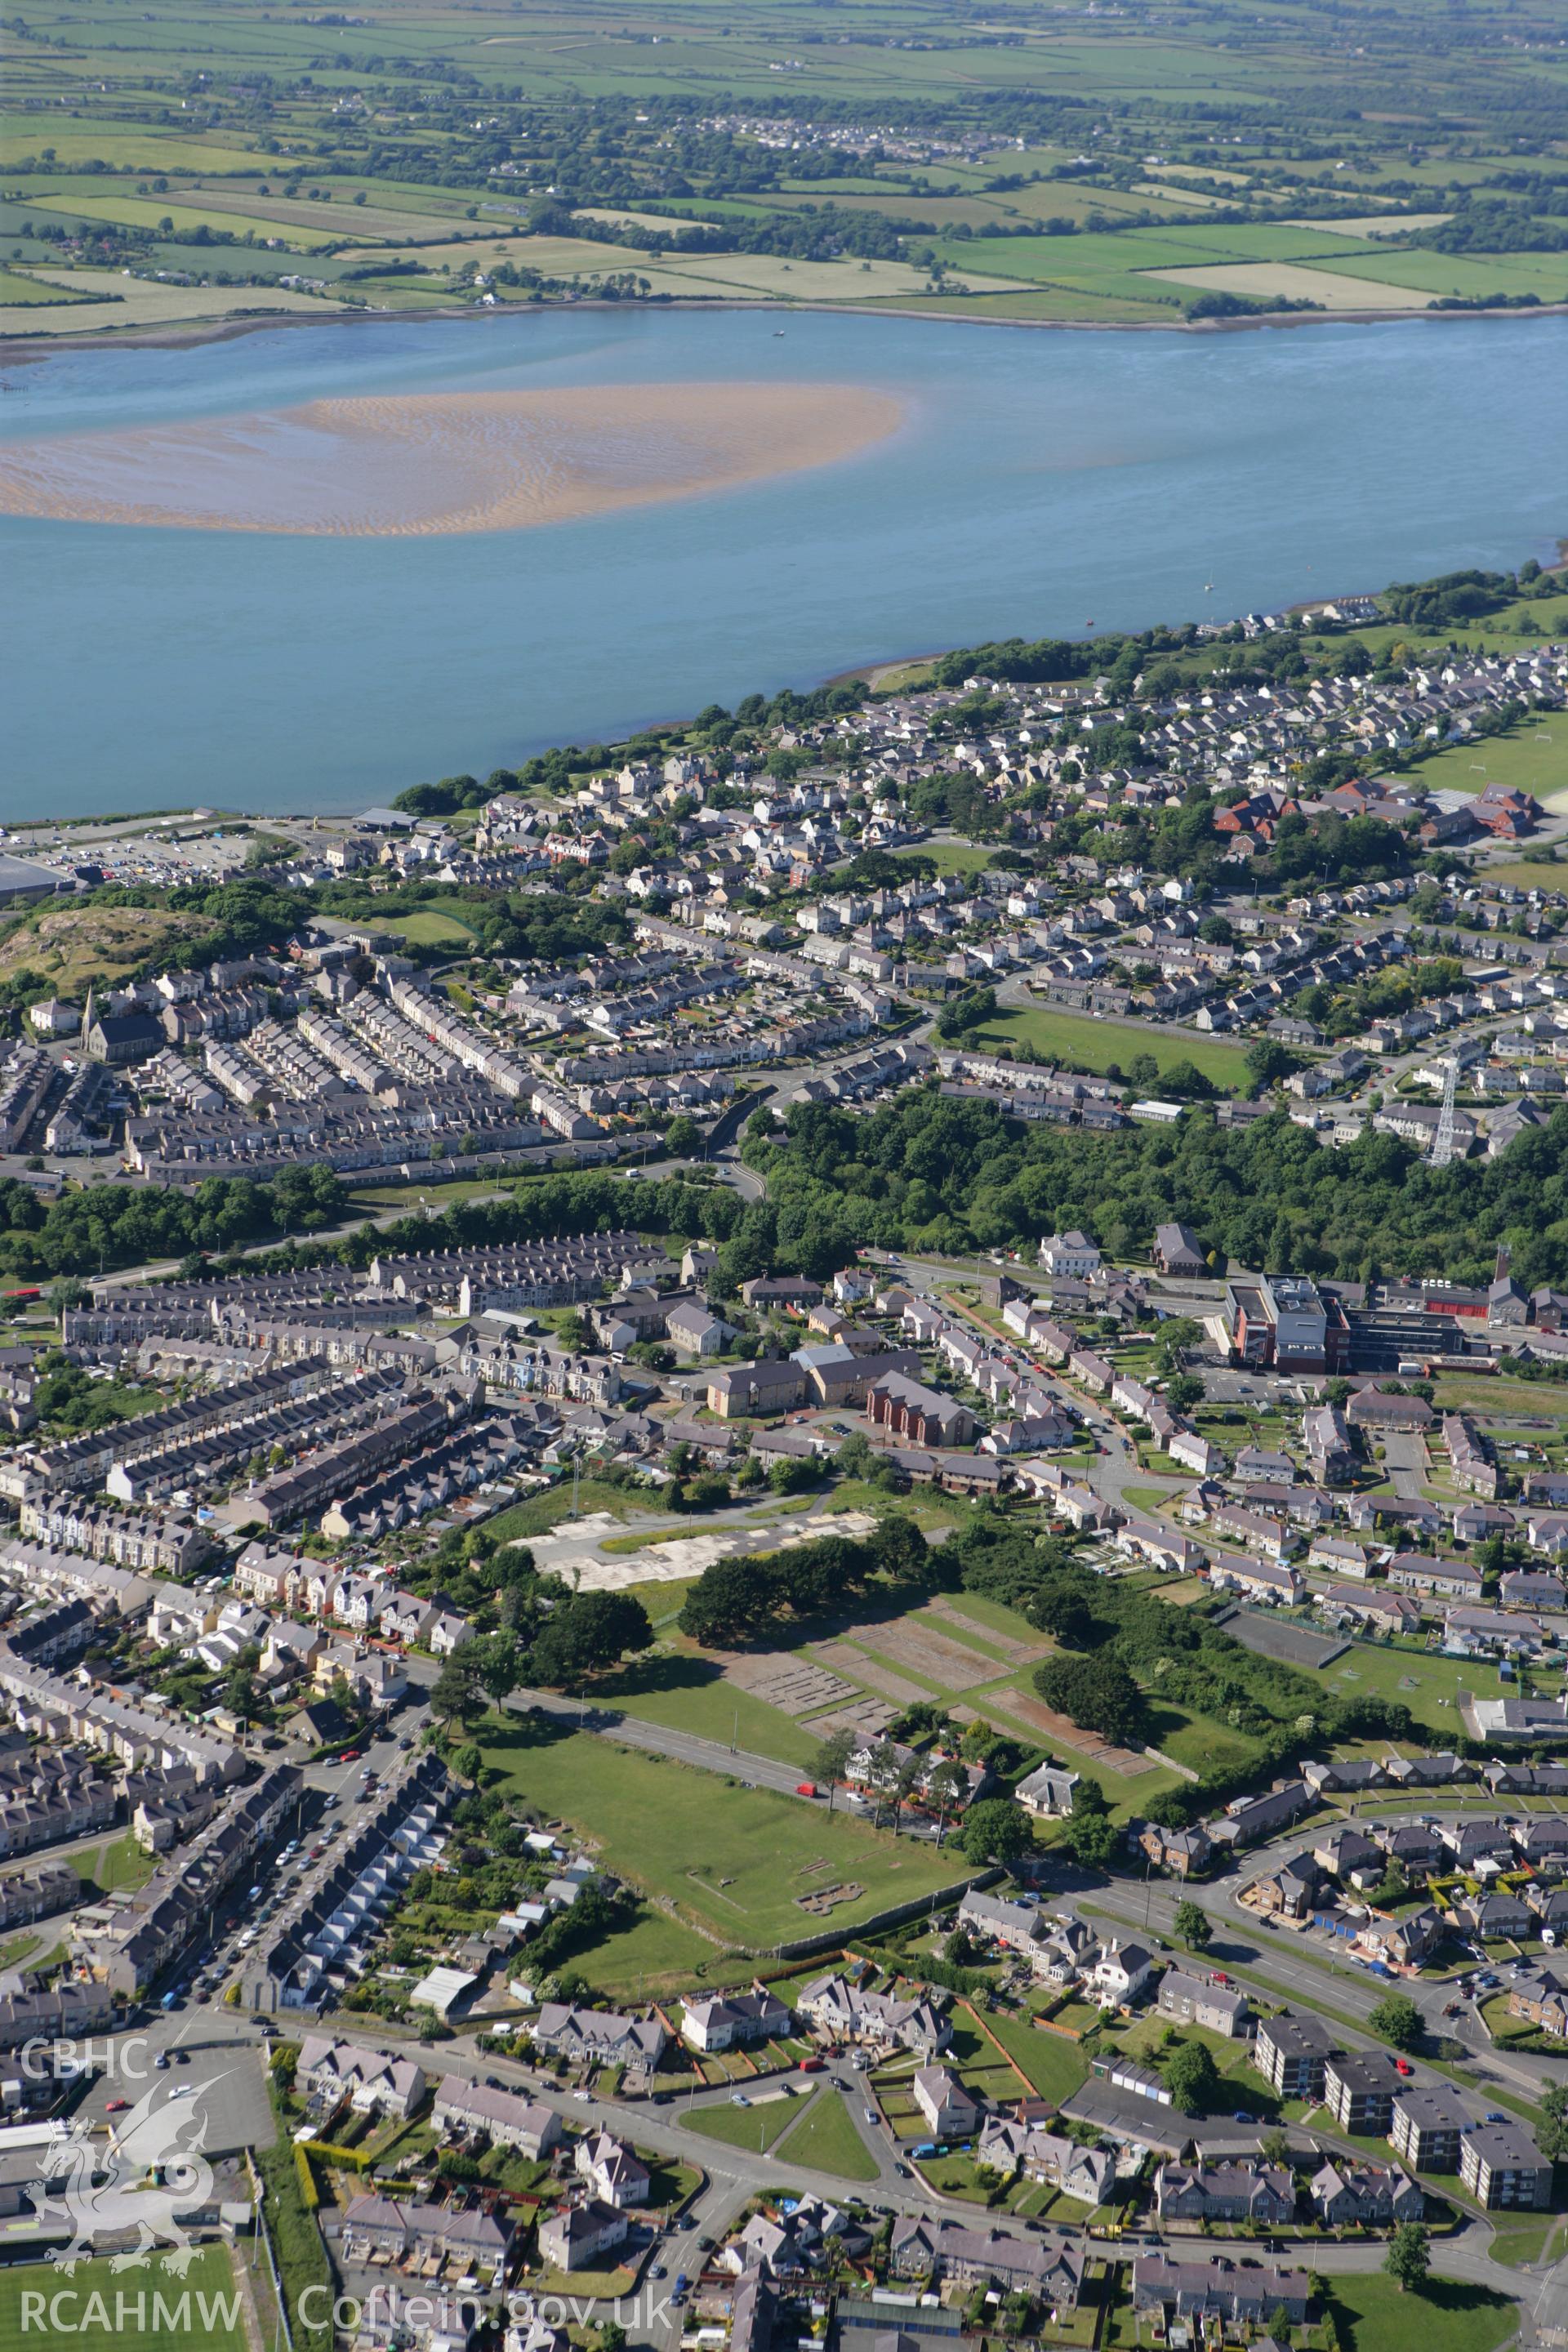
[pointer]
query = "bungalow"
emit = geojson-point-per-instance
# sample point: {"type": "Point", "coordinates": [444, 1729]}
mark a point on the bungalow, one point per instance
{"type": "Point", "coordinates": [1372, 1408]}
{"type": "Point", "coordinates": [1456, 1578]}
{"type": "Point", "coordinates": [1048, 1792]}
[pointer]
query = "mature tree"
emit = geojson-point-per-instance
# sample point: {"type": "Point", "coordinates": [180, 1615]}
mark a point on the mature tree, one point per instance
{"type": "Point", "coordinates": [682, 1137]}
{"type": "Point", "coordinates": [1194, 1927]}
{"type": "Point", "coordinates": [497, 1662]}
{"type": "Point", "coordinates": [1552, 2131]}
{"type": "Point", "coordinates": [729, 1603]}
{"type": "Point", "coordinates": [1092, 1839]}
{"type": "Point", "coordinates": [907, 1779]}
{"type": "Point", "coordinates": [1095, 1693]}
{"type": "Point", "coordinates": [898, 1546]}
{"type": "Point", "coordinates": [1184, 1390]}
{"type": "Point", "coordinates": [791, 1475]}
{"type": "Point", "coordinates": [1065, 1609]}
{"type": "Point", "coordinates": [459, 1693]}
{"type": "Point", "coordinates": [997, 1829]}
{"type": "Point", "coordinates": [587, 1634]}
{"type": "Point", "coordinates": [1192, 2078]}
{"type": "Point", "coordinates": [1275, 2147]}
{"type": "Point", "coordinates": [832, 1757]}
{"type": "Point", "coordinates": [1398, 2020]}
{"type": "Point", "coordinates": [469, 1762]}
{"type": "Point", "coordinates": [1408, 2258]}
{"type": "Point", "coordinates": [946, 1786]}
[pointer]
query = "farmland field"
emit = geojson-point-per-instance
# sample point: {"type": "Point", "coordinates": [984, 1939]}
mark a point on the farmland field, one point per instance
{"type": "Point", "coordinates": [1284, 281]}
{"type": "Point", "coordinates": [151, 212]}
{"type": "Point", "coordinates": [109, 304]}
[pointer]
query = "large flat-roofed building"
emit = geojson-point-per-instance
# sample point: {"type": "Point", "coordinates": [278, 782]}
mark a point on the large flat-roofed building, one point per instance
{"type": "Point", "coordinates": [1500, 2165]}
{"type": "Point", "coordinates": [1284, 1323]}
{"type": "Point", "coordinates": [1293, 2053]}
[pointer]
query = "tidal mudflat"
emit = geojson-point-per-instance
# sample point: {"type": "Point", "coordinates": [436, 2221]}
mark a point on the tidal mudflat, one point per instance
{"type": "Point", "coordinates": [389, 465]}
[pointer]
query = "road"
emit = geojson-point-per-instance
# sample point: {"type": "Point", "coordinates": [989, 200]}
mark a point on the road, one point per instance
{"type": "Point", "coordinates": [231, 2047]}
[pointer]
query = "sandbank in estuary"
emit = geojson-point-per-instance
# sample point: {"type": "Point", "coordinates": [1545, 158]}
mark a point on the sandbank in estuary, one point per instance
{"type": "Point", "coordinates": [409, 465]}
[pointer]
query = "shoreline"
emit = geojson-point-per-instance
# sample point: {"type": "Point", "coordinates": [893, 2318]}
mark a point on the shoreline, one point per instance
{"type": "Point", "coordinates": [23, 350]}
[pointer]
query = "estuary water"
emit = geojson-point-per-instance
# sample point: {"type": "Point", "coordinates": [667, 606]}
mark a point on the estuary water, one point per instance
{"type": "Point", "coordinates": [1021, 482]}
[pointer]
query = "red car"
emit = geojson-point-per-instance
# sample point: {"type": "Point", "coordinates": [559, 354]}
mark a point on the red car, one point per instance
{"type": "Point", "coordinates": [116, 2106]}
{"type": "Point", "coordinates": [1403, 2066]}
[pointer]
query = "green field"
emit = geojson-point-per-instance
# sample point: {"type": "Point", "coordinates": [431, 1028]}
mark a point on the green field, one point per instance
{"type": "Point", "coordinates": [690, 1695]}
{"type": "Point", "coordinates": [1051, 2064]}
{"type": "Point", "coordinates": [28, 292]}
{"type": "Point", "coordinates": [547, 1509]}
{"type": "Point", "coordinates": [427, 929]}
{"type": "Point", "coordinates": [1427, 1686]}
{"type": "Point", "coordinates": [753, 2128]}
{"type": "Point", "coordinates": [1370, 2315]}
{"type": "Point", "coordinates": [732, 1859]}
{"type": "Point", "coordinates": [151, 212]}
{"type": "Point", "coordinates": [211, 2317]}
{"type": "Point", "coordinates": [1532, 758]}
{"type": "Point", "coordinates": [1038, 1034]}
{"type": "Point", "coordinates": [826, 2140]}
{"type": "Point", "coordinates": [647, 1960]}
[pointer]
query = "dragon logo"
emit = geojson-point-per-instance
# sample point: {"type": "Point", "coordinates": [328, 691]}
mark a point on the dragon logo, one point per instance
{"type": "Point", "coordinates": [151, 2172]}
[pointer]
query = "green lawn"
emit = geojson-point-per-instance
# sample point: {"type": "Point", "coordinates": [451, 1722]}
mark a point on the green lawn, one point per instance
{"type": "Point", "coordinates": [949, 856]}
{"type": "Point", "coordinates": [691, 1694]}
{"type": "Point", "coordinates": [544, 1512]}
{"type": "Point", "coordinates": [1427, 1686]}
{"type": "Point", "coordinates": [1532, 758]}
{"type": "Point", "coordinates": [1089, 1044]}
{"type": "Point", "coordinates": [119, 1863]}
{"type": "Point", "coordinates": [426, 928]}
{"type": "Point", "coordinates": [826, 2140]}
{"type": "Point", "coordinates": [647, 1960]}
{"type": "Point", "coordinates": [209, 2319]}
{"type": "Point", "coordinates": [1054, 2067]}
{"type": "Point", "coordinates": [733, 1859]}
{"type": "Point", "coordinates": [752, 2128]}
{"type": "Point", "coordinates": [1370, 2315]}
